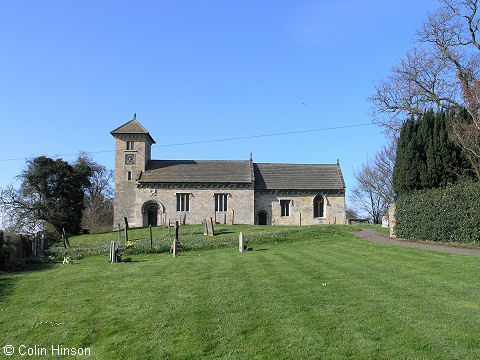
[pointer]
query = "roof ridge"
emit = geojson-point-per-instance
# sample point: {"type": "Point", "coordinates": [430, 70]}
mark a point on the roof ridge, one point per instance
{"type": "Point", "coordinates": [201, 160]}
{"type": "Point", "coordinates": [132, 127]}
{"type": "Point", "coordinates": [295, 164]}
{"type": "Point", "coordinates": [128, 122]}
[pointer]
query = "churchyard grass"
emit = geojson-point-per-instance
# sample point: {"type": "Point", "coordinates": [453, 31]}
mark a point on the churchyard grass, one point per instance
{"type": "Point", "coordinates": [191, 237]}
{"type": "Point", "coordinates": [318, 293]}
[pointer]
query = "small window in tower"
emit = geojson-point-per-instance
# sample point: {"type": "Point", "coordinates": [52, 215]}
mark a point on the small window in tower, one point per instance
{"type": "Point", "coordinates": [129, 175]}
{"type": "Point", "coordinates": [130, 145]}
{"type": "Point", "coordinates": [285, 207]}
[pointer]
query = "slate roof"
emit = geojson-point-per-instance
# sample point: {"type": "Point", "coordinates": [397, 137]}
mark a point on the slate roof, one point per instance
{"type": "Point", "coordinates": [266, 176]}
{"type": "Point", "coordinates": [298, 177]}
{"type": "Point", "coordinates": [132, 127]}
{"type": "Point", "coordinates": [201, 171]}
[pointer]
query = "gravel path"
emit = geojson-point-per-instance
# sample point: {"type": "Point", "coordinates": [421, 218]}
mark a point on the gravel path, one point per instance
{"type": "Point", "coordinates": [375, 236]}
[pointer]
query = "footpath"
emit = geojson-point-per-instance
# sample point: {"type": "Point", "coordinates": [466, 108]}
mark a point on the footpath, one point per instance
{"type": "Point", "coordinates": [375, 236]}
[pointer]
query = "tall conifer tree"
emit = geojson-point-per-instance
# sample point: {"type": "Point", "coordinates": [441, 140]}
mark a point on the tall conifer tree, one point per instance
{"type": "Point", "coordinates": [427, 157]}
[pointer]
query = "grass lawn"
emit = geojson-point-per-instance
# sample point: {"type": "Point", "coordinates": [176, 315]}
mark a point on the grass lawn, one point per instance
{"type": "Point", "coordinates": [312, 293]}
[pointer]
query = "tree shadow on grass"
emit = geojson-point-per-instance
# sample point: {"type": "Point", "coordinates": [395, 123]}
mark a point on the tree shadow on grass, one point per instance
{"type": "Point", "coordinates": [6, 286]}
{"type": "Point", "coordinates": [221, 232]}
{"type": "Point", "coordinates": [9, 278]}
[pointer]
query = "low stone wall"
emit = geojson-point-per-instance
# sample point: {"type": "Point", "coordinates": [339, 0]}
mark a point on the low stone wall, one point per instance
{"type": "Point", "coordinates": [391, 220]}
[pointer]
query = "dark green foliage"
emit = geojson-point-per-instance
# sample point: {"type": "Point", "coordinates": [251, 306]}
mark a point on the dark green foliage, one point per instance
{"type": "Point", "coordinates": [451, 214]}
{"type": "Point", "coordinates": [427, 156]}
{"type": "Point", "coordinates": [55, 190]}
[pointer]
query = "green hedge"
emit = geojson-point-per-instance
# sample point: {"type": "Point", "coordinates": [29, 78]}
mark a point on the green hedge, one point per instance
{"type": "Point", "coordinates": [447, 215]}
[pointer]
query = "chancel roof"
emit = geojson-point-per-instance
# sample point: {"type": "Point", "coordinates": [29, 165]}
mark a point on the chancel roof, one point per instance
{"type": "Point", "coordinates": [298, 177]}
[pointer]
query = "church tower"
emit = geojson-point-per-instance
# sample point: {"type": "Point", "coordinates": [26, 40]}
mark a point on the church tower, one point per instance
{"type": "Point", "coordinates": [133, 145]}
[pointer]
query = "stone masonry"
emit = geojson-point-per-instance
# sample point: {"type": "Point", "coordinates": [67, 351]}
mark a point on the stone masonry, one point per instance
{"type": "Point", "coordinates": [300, 203]}
{"type": "Point", "coordinates": [250, 189]}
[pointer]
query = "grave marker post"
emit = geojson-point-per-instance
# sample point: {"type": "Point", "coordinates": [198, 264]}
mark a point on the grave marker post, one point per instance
{"type": "Point", "coordinates": [241, 247]}
{"type": "Point", "coordinates": [175, 240]}
{"type": "Point", "coordinates": [126, 229]}
{"type": "Point", "coordinates": [151, 238]}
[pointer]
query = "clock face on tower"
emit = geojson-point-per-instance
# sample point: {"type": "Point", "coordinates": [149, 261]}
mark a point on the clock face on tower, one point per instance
{"type": "Point", "coordinates": [130, 159]}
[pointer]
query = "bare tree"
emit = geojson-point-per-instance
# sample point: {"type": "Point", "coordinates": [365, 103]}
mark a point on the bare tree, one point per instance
{"type": "Point", "coordinates": [452, 32]}
{"type": "Point", "coordinates": [418, 83]}
{"type": "Point", "coordinates": [383, 161]}
{"type": "Point", "coordinates": [98, 212]}
{"type": "Point", "coordinates": [432, 74]}
{"type": "Point", "coordinates": [442, 73]}
{"type": "Point", "coordinates": [351, 213]}
{"type": "Point", "coordinates": [19, 214]}
{"type": "Point", "coordinates": [373, 190]}
{"type": "Point", "coordinates": [468, 132]}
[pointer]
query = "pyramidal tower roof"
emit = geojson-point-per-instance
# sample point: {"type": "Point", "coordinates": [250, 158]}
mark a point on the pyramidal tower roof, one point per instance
{"type": "Point", "coordinates": [132, 127]}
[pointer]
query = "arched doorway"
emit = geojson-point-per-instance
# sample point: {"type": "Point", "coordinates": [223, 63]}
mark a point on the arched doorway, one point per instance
{"type": "Point", "coordinates": [262, 217]}
{"type": "Point", "coordinates": [152, 212]}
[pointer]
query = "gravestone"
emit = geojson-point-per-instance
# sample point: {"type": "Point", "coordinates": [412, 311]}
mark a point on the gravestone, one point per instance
{"type": "Point", "coordinates": [230, 217]}
{"type": "Point", "coordinates": [210, 229]}
{"type": "Point", "coordinates": [204, 224]}
{"type": "Point", "coordinates": [224, 220]}
{"type": "Point", "coordinates": [65, 238]}
{"type": "Point", "coordinates": [28, 248]}
{"type": "Point", "coordinates": [13, 256]}
{"type": "Point", "coordinates": [35, 245]}
{"type": "Point", "coordinates": [42, 241]}
{"type": "Point", "coordinates": [113, 252]}
{"type": "Point", "coordinates": [176, 245]}
{"type": "Point", "coordinates": [298, 220]}
{"type": "Point", "coordinates": [120, 247]}
{"type": "Point", "coordinates": [182, 218]}
{"type": "Point", "coordinates": [164, 219]}
{"type": "Point", "coordinates": [126, 229]}
{"type": "Point", "coordinates": [385, 221]}
{"type": "Point", "coordinates": [19, 244]}
{"type": "Point", "coordinates": [151, 237]}
{"type": "Point", "coordinates": [241, 246]}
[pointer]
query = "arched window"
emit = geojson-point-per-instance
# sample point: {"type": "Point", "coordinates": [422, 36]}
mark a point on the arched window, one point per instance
{"type": "Point", "coordinates": [318, 206]}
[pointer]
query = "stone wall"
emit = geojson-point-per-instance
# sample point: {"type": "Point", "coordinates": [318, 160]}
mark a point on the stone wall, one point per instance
{"type": "Point", "coordinates": [391, 220]}
{"type": "Point", "coordinates": [202, 205]}
{"type": "Point", "coordinates": [301, 208]}
{"type": "Point", "coordinates": [125, 190]}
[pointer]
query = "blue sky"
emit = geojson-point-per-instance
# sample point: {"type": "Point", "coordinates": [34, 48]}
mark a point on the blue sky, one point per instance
{"type": "Point", "coordinates": [72, 71]}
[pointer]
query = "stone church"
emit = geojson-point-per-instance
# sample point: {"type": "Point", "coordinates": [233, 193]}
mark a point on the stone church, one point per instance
{"type": "Point", "coordinates": [152, 192]}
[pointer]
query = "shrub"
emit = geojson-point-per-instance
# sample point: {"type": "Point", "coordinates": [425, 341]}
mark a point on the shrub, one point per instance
{"type": "Point", "coordinates": [451, 214]}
